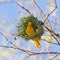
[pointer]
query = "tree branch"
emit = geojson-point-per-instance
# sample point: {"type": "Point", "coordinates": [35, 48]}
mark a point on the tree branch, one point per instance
{"type": "Point", "coordinates": [31, 53]}
{"type": "Point", "coordinates": [24, 8]}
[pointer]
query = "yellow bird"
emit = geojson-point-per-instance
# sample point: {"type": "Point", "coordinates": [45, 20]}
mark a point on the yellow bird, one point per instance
{"type": "Point", "coordinates": [30, 31]}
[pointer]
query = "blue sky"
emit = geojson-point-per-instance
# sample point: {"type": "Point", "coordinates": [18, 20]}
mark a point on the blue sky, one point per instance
{"type": "Point", "coordinates": [9, 15]}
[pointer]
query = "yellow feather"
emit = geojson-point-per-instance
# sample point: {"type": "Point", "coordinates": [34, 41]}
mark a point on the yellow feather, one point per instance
{"type": "Point", "coordinates": [30, 31]}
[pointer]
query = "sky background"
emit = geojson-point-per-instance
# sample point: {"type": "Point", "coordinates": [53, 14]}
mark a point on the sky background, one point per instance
{"type": "Point", "coordinates": [10, 13]}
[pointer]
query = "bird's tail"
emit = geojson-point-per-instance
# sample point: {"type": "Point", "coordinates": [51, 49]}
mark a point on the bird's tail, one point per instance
{"type": "Point", "coordinates": [36, 41]}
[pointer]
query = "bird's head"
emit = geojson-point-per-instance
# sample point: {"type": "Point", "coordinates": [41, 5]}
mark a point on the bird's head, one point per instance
{"type": "Point", "coordinates": [41, 23]}
{"type": "Point", "coordinates": [30, 24]}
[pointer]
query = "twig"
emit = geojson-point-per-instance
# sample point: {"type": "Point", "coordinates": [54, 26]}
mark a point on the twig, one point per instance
{"type": "Point", "coordinates": [50, 42]}
{"type": "Point", "coordinates": [44, 17]}
{"type": "Point", "coordinates": [45, 53]}
{"type": "Point", "coordinates": [26, 51]}
{"type": "Point", "coordinates": [53, 34]}
{"type": "Point", "coordinates": [24, 8]}
{"type": "Point", "coordinates": [6, 38]}
{"type": "Point", "coordinates": [53, 57]}
{"type": "Point", "coordinates": [31, 53]}
{"type": "Point", "coordinates": [53, 10]}
{"type": "Point", "coordinates": [15, 47]}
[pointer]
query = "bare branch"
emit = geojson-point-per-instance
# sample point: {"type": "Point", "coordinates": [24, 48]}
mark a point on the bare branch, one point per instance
{"type": "Point", "coordinates": [53, 34]}
{"type": "Point", "coordinates": [24, 8]}
{"type": "Point", "coordinates": [53, 10]}
{"type": "Point", "coordinates": [50, 42]}
{"type": "Point", "coordinates": [29, 52]}
{"type": "Point", "coordinates": [53, 57]}
{"type": "Point", "coordinates": [45, 53]}
{"type": "Point", "coordinates": [15, 47]}
{"type": "Point", "coordinates": [6, 38]}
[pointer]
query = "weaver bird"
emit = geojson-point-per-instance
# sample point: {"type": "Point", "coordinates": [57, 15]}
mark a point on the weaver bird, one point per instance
{"type": "Point", "coordinates": [31, 31]}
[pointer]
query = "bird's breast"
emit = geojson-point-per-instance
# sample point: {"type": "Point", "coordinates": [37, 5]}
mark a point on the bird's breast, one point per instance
{"type": "Point", "coordinates": [30, 31]}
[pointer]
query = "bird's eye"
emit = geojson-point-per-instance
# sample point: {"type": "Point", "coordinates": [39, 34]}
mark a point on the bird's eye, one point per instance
{"type": "Point", "coordinates": [41, 23]}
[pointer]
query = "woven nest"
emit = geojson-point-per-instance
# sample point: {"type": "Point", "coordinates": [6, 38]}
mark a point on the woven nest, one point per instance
{"type": "Point", "coordinates": [21, 27]}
